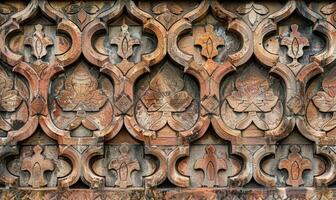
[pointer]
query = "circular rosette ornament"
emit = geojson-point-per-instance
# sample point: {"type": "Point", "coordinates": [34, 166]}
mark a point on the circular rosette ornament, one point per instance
{"type": "Point", "coordinates": [81, 99]}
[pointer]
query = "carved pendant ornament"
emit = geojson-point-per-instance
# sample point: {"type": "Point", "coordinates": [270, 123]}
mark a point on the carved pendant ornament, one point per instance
{"type": "Point", "coordinates": [166, 99]}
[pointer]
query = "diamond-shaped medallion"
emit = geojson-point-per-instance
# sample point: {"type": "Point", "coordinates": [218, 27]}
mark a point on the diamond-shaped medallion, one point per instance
{"type": "Point", "coordinates": [123, 103]}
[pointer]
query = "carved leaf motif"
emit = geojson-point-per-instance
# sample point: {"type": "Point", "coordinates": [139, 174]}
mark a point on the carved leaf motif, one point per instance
{"type": "Point", "coordinates": [324, 102]}
{"type": "Point", "coordinates": [253, 10]}
{"type": "Point", "coordinates": [329, 9]}
{"type": "Point", "coordinates": [81, 92]}
{"type": "Point", "coordinates": [252, 16]}
{"type": "Point", "coordinates": [164, 102]}
{"type": "Point", "coordinates": [73, 8]}
{"type": "Point", "coordinates": [252, 95]}
{"type": "Point", "coordinates": [9, 98]}
{"type": "Point", "coordinates": [167, 13]}
{"type": "Point", "coordinates": [81, 10]}
{"type": "Point", "coordinates": [81, 16]}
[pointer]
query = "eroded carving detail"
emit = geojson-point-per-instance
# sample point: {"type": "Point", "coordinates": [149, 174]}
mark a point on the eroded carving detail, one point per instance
{"type": "Point", "coordinates": [295, 164]}
{"type": "Point", "coordinates": [210, 164]}
{"type": "Point", "coordinates": [253, 95]}
{"type": "Point", "coordinates": [209, 43]}
{"type": "Point", "coordinates": [166, 102]}
{"type": "Point", "coordinates": [80, 93]}
{"type": "Point", "coordinates": [295, 44]}
{"type": "Point", "coordinates": [39, 43]}
{"type": "Point", "coordinates": [37, 165]}
{"type": "Point", "coordinates": [253, 11]}
{"type": "Point", "coordinates": [124, 166]}
{"type": "Point", "coordinates": [81, 10]}
{"type": "Point", "coordinates": [10, 100]}
{"type": "Point", "coordinates": [5, 11]}
{"type": "Point", "coordinates": [167, 13]}
{"type": "Point", "coordinates": [125, 44]}
{"type": "Point", "coordinates": [325, 100]}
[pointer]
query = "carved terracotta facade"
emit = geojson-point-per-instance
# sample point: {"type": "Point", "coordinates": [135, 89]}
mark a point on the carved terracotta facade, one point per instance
{"type": "Point", "coordinates": [167, 99]}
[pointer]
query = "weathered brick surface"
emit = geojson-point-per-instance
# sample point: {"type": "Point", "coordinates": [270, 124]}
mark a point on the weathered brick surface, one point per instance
{"type": "Point", "coordinates": [167, 99]}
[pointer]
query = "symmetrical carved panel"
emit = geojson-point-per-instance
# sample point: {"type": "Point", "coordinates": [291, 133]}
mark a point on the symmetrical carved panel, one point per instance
{"type": "Point", "coordinates": [201, 99]}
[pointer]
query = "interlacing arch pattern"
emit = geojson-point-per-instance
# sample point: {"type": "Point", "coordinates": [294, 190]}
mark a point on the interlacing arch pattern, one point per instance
{"type": "Point", "coordinates": [206, 99]}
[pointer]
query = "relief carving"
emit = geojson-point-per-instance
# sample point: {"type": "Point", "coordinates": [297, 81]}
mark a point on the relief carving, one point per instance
{"type": "Point", "coordinates": [82, 12]}
{"type": "Point", "coordinates": [295, 165]}
{"type": "Point", "coordinates": [209, 43]}
{"type": "Point", "coordinates": [253, 11]}
{"type": "Point", "coordinates": [167, 13]}
{"type": "Point", "coordinates": [13, 96]}
{"type": "Point", "coordinates": [124, 166]}
{"type": "Point", "coordinates": [5, 11]}
{"type": "Point", "coordinates": [39, 43]}
{"type": "Point", "coordinates": [320, 110]}
{"type": "Point", "coordinates": [210, 164]}
{"type": "Point", "coordinates": [295, 44]}
{"type": "Point", "coordinates": [325, 101]}
{"type": "Point", "coordinates": [165, 98]}
{"type": "Point", "coordinates": [37, 165]}
{"type": "Point", "coordinates": [166, 101]}
{"type": "Point", "coordinates": [253, 101]}
{"type": "Point", "coordinates": [80, 100]}
{"type": "Point", "coordinates": [125, 45]}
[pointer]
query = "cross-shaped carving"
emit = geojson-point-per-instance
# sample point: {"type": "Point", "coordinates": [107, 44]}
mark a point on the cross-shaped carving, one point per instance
{"type": "Point", "coordinates": [295, 44]}
{"type": "Point", "coordinates": [36, 166]}
{"type": "Point", "coordinates": [295, 165]}
{"type": "Point", "coordinates": [124, 167]}
{"type": "Point", "coordinates": [210, 164]}
{"type": "Point", "coordinates": [209, 42]}
{"type": "Point", "coordinates": [125, 44]}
